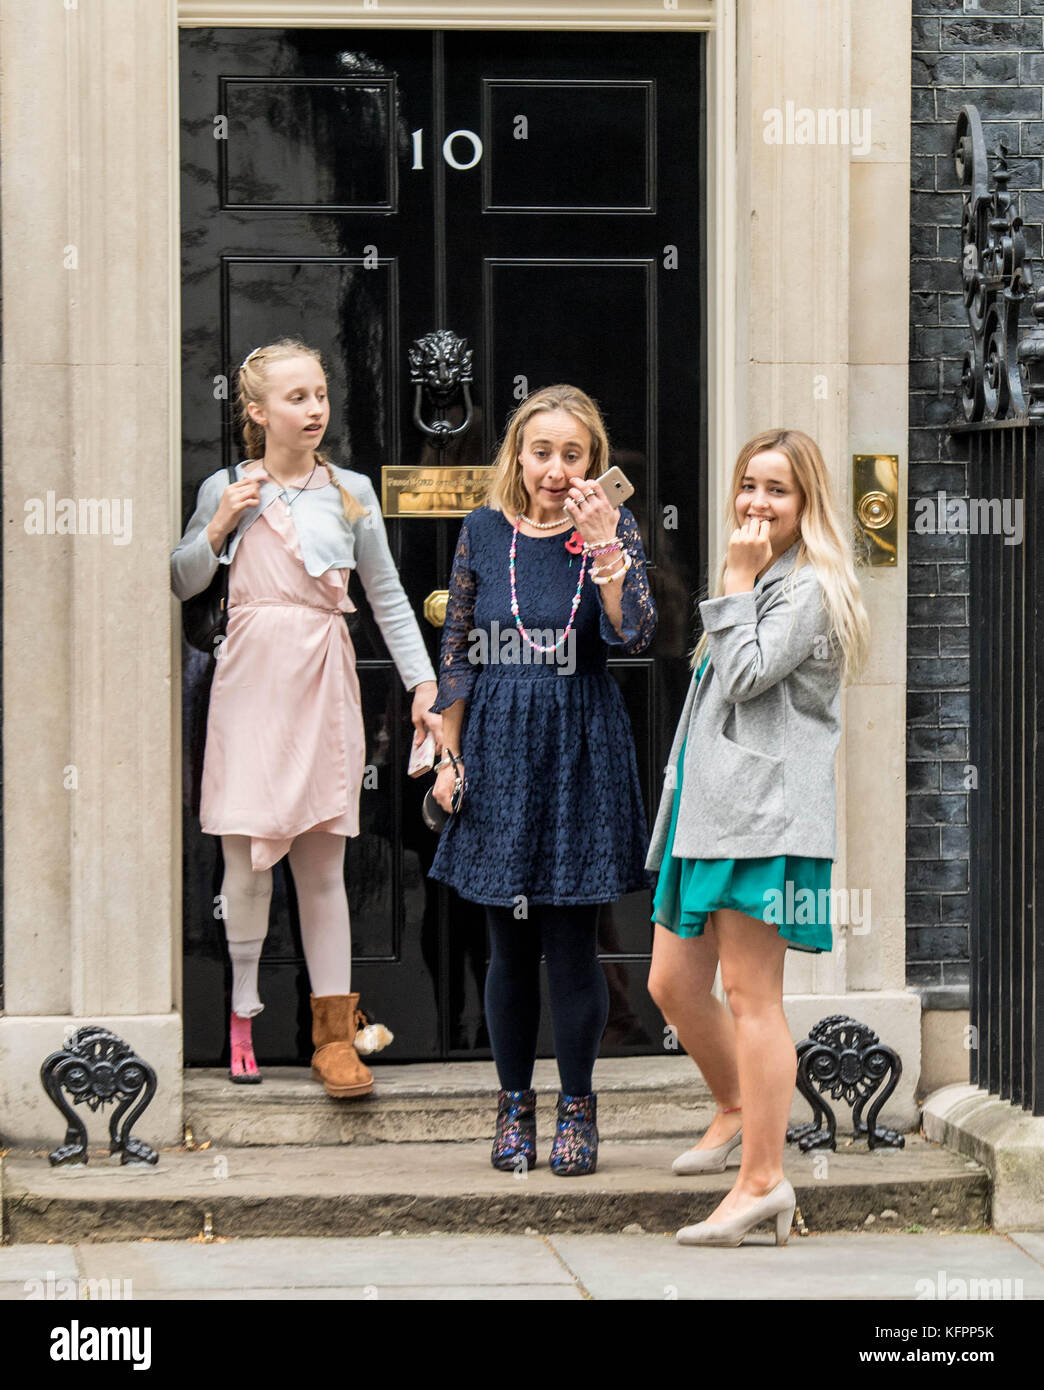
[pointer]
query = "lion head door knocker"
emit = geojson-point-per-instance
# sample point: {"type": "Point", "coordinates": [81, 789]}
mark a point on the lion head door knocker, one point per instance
{"type": "Point", "coordinates": [98, 1068]}
{"type": "Point", "coordinates": [440, 368]}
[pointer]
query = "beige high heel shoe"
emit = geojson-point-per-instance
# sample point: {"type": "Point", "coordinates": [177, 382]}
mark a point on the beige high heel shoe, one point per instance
{"type": "Point", "coordinates": [709, 1160]}
{"type": "Point", "coordinates": [779, 1203]}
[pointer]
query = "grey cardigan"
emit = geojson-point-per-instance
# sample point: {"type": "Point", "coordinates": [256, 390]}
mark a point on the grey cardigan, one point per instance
{"type": "Point", "coordinates": [328, 540]}
{"type": "Point", "coordinates": [762, 728]}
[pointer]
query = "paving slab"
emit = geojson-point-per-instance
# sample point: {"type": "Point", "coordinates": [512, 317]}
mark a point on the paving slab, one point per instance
{"type": "Point", "coordinates": [368, 1189]}
{"type": "Point", "coordinates": [335, 1263]}
{"type": "Point", "coordinates": [13, 1293]}
{"type": "Point", "coordinates": [1030, 1241]}
{"type": "Point", "coordinates": [821, 1267]}
{"type": "Point", "coordinates": [467, 1293]}
{"type": "Point", "coordinates": [27, 1261]}
{"type": "Point", "coordinates": [548, 1266]}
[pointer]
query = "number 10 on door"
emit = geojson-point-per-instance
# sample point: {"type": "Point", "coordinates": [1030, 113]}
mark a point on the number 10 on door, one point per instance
{"type": "Point", "coordinates": [447, 149]}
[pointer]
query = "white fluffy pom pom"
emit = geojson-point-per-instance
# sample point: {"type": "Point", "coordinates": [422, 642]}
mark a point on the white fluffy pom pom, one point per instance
{"type": "Point", "coordinates": [372, 1038]}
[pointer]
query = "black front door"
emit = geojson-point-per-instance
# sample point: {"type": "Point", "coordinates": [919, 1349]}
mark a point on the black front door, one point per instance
{"type": "Point", "coordinates": [541, 194]}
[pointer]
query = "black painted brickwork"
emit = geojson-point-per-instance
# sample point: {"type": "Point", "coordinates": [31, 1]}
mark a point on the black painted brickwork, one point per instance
{"type": "Point", "coordinates": [993, 57]}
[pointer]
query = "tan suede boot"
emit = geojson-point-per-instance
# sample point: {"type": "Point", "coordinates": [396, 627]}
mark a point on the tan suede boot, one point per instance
{"type": "Point", "coordinates": [335, 1061]}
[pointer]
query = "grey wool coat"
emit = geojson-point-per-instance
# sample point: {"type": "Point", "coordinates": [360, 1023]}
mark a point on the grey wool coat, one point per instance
{"type": "Point", "coordinates": [762, 726]}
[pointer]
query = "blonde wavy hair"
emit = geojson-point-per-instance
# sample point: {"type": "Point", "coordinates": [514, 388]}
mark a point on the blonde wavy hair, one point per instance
{"type": "Point", "coordinates": [823, 542]}
{"type": "Point", "coordinates": [252, 390]}
{"type": "Point", "coordinates": [506, 490]}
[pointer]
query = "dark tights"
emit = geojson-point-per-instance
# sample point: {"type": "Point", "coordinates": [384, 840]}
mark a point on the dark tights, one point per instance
{"type": "Point", "coordinates": [576, 983]}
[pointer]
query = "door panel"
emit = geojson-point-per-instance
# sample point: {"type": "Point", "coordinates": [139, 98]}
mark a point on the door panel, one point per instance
{"type": "Point", "coordinates": [364, 376]}
{"type": "Point", "coordinates": [561, 233]}
{"type": "Point", "coordinates": [602, 322]}
{"type": "Point", "coordinates": [564, 123]}
{"type": "Point", "coordinates": [311, 144]}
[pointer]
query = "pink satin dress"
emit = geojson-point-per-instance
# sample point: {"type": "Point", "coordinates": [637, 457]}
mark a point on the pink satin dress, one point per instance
{"type": "Point", "coordinates": [285, 749]}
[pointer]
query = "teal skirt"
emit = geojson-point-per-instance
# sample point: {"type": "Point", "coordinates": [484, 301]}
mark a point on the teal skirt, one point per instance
{"type": "Point", "coordinates": [790, 891]}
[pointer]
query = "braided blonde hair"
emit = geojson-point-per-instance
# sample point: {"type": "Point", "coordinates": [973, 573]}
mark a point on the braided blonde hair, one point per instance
{"type": "Point", "coordinates": [252, 389]}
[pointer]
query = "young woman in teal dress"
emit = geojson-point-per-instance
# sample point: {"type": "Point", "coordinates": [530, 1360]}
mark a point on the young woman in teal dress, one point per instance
{"type": "Point", "coordinates": [745, 834]}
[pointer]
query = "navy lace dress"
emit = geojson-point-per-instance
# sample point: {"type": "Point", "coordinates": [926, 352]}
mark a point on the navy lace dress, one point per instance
{"type": "Point", "coordinates": [553, 809]}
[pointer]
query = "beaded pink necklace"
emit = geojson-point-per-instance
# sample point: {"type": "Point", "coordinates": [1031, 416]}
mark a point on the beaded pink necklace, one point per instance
{"type": "Point", "coordinates": [514, 597]}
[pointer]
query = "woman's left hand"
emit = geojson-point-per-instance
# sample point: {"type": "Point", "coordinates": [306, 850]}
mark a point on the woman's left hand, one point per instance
{"type": "Point", "coordinates": [592, 514]}
{"type": "Point", "coordinates": [423, 720]}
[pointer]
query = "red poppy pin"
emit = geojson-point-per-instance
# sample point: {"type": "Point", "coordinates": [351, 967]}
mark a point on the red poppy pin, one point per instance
{"type": "Point", "coordinates": [575, 543]}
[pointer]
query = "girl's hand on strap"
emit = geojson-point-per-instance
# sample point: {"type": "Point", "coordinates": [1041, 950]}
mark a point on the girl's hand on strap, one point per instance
{"type": "Point", "coordinates": [236, 499]}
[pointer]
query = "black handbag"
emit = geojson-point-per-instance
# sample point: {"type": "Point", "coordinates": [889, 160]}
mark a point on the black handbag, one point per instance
{"type": "Point", "coordinates": [433, 815]}
{"type": "Point", "coordinates": [204, 616]}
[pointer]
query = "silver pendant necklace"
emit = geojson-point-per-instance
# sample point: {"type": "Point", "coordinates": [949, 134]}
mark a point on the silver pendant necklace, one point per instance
{"type": "Point", "coordinates": [301, 489]}
{"type": "Point", "coordinates": [288, 504]}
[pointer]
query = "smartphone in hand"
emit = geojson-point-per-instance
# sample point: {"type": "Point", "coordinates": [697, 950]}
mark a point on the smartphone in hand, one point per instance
{"type": "Point", "coordinates": [422, 757]}
{"type": "Point", "coordinates": [616, 486]}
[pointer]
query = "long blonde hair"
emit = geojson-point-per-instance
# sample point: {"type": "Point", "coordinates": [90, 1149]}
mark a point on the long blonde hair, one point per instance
{"type": "Point", "coordinates": [252, 390]}
{"type": "Point", "coordinates": [823, 543]}
{"type": "Point", "coordinates": [507, 491]}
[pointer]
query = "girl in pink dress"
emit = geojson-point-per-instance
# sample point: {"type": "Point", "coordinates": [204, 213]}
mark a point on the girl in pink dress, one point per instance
{"type": "Point", "coordinates": [285, 749]}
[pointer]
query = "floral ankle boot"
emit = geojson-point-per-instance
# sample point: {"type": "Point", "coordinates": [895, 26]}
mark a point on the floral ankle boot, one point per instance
{"type": "Point", "coordinates": [515, 1139]}
{"type": "Point", "coordinates": [575, 1150]}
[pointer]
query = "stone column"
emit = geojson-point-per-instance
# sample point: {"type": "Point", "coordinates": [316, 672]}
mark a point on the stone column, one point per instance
{"type": "Point", "coordinates": [91, 884]}
{"type": "Point", "coordinates": [824, 234]}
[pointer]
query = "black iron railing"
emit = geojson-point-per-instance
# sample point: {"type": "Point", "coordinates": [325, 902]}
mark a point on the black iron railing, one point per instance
{"type": "Point", "coordinates": [1006, 773]}
{"type": "Point", "coordinates": [1001, 418]}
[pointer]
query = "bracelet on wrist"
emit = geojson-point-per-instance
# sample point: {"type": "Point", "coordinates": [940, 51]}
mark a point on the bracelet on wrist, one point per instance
{"type": "Point", "coordinates": [621, 568]}
{"type": "Point", "coordinates": [607, 551]}
{"type": "Point", "coordinates": [611, 563]}
{"type": "Point", "coordinates": [616, 574]}
{"type": "Point", "coordinates": [607, 562]}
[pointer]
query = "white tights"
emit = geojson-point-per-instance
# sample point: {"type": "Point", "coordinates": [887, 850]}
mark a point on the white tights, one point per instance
{"type": "Point", "coordinates": [317, 864]}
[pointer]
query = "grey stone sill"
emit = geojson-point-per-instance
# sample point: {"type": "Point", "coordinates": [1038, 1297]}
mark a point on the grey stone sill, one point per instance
{"type": "Point", "coordinates": [951, 997]}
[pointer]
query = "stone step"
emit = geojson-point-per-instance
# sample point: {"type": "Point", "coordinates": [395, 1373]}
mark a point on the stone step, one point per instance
{"type": "Point", "coordinates": [370, 1189]}
{"type": "Point", "coordinates": [638, 1098]}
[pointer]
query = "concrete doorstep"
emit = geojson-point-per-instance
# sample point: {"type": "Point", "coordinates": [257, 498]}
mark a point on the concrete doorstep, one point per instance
{"type": "Point", "coordinates": [426, 1102]}
{"type": "Point", "coordinates": [369, 1190]}
{"type": "Point", "coordinates": [283, 1159]}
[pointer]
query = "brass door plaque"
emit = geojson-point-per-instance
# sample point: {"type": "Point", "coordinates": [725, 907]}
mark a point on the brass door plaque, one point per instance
{"type": "Point", "coordinates": [434, 491]}
{"type": "Point", "coordinates": [875, 498]}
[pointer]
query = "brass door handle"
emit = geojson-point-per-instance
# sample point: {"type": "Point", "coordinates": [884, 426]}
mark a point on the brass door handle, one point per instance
{"type": "Point", "coordinates": [435, 607]}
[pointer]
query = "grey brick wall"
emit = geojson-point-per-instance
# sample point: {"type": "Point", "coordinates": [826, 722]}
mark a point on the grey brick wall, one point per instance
{"type": "Point", "coordinates": [991, 55]}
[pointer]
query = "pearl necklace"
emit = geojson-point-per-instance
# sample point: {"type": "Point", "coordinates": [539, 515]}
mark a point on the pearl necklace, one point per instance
{"type": "Point", "coordinates": [514, 597]}
{"type": "Point", "coordinates": [544, 525]}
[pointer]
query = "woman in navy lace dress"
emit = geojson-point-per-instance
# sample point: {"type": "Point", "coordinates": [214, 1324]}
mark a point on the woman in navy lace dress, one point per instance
{"type": "Point", "coordinates": [552, 822]}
